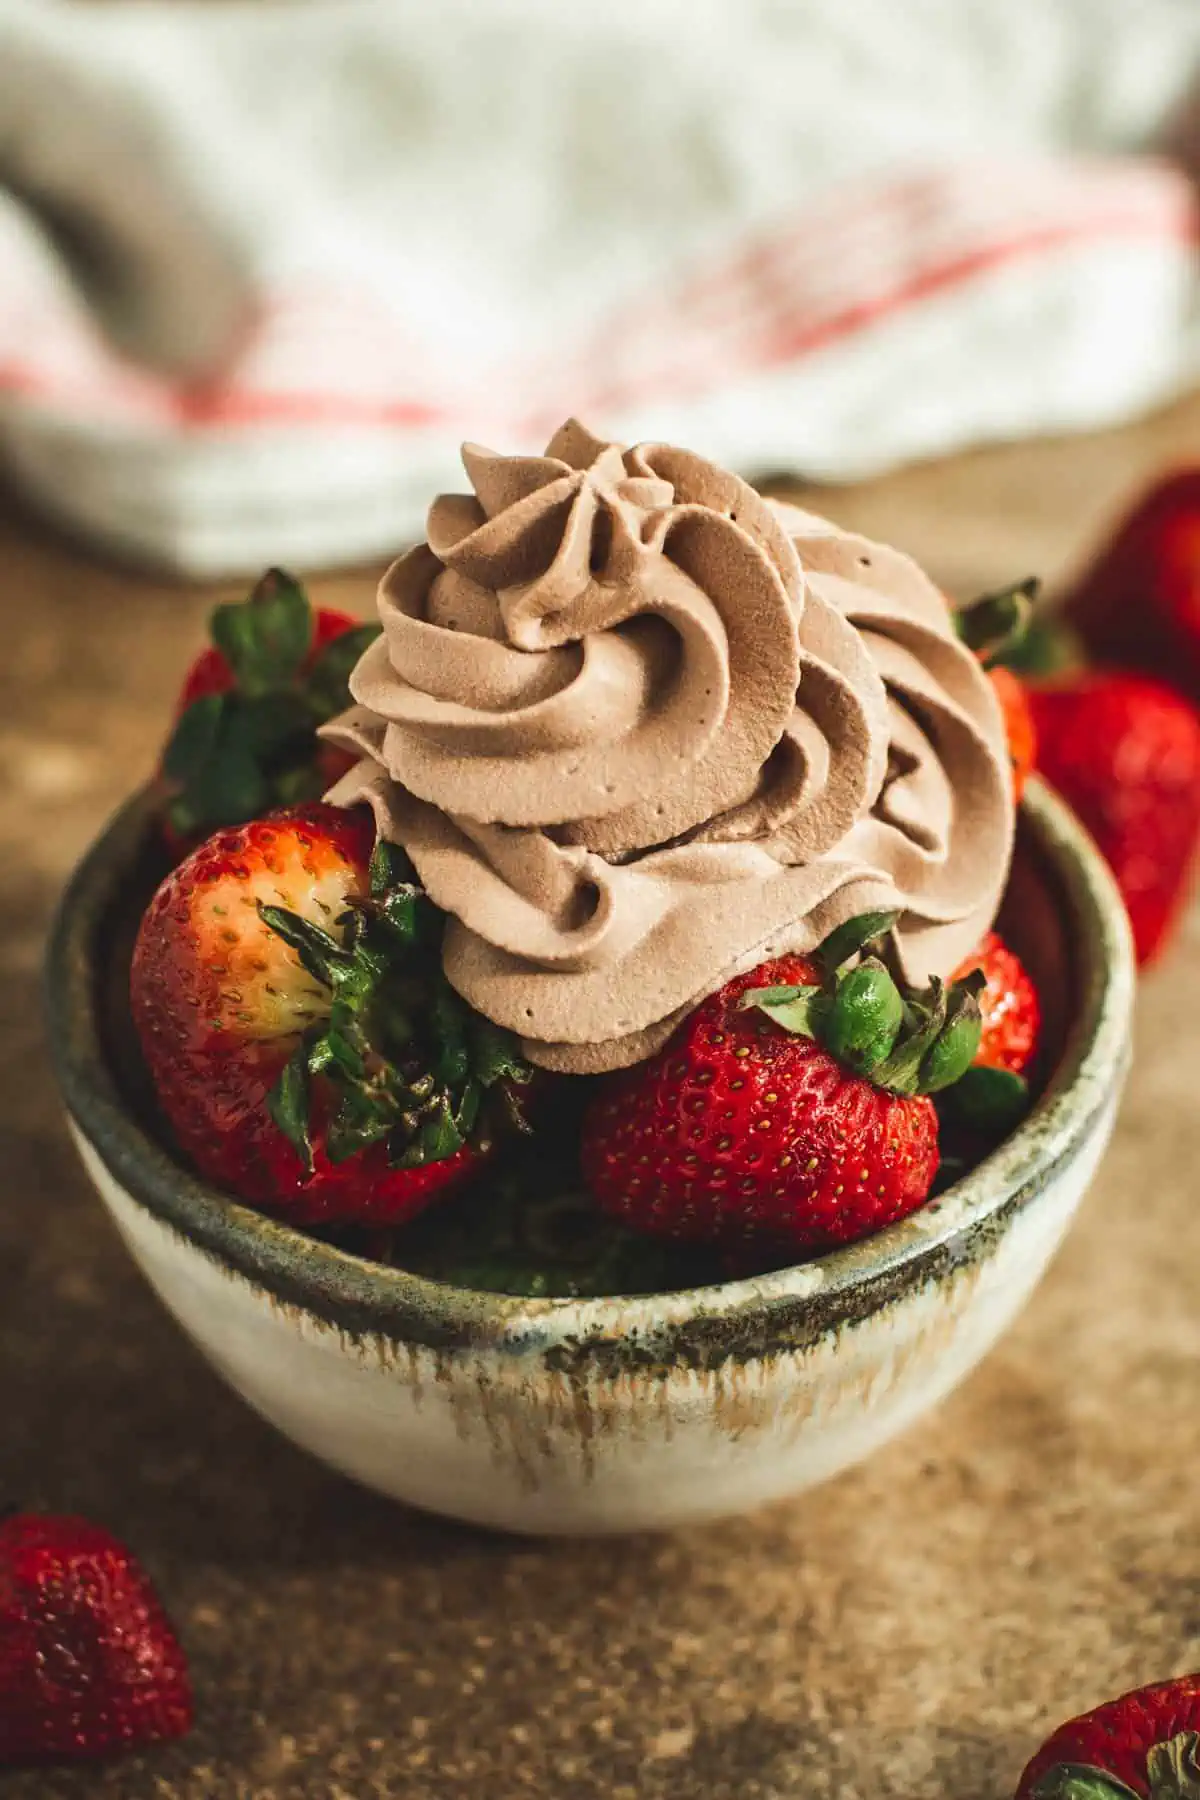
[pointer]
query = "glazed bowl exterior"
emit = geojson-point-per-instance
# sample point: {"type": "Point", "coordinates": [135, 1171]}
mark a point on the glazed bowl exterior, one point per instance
{"type": "Point", "coordinates": [582, 1416]}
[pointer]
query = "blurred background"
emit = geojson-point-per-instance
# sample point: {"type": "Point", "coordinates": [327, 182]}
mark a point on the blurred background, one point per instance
{"type": "Point", "coordinates": [935, 268]}
{"type": "Point", "coordinates": [264, 266]}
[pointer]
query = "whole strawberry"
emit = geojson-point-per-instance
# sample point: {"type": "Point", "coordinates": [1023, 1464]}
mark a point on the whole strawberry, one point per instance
{"type": "Point", "coordinates": [1145, 1744]}
{"type": "Point", "coordinates": [244, 738]}
{"type": "Point", "coordinates": [307, 1052]}
{"type": "Point", "coordinates": [89, 1664]}
{"type": "Point", "coordinates": [790, 1110]}
{"type": "Point", "coordinates": [1124, 752]}
{"type": "Point", "coordinates": [1138, 605]}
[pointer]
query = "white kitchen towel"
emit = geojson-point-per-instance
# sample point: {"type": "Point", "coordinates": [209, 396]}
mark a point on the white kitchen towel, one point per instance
{"type": "Point", "coordinates": [263, 266]}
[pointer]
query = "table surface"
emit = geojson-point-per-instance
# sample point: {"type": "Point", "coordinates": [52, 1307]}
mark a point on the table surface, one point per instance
{"type": "Point", "coordinates": [908, 1631]}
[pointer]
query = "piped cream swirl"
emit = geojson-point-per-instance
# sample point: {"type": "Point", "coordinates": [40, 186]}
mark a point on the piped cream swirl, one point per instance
{"type": "Point", "coordinates": [639, 729]}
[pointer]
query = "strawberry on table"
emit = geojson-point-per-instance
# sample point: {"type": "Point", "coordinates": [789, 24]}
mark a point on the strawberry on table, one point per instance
{"type": "Point", "coordinates": [304, 1045]}
{"type": "Point", "coordinates": [1139, 603]}
{"type": "Point", "coordinates": [1124, 751]}
{"type": "Point", "coordinates": [1143, 1746]}
{"type": "Point", "coordinates": [89, 1664]}
{"type": "Point", "coordinates": [244, 737]}
{"type": "Point", "coordinates": [791, 1109]}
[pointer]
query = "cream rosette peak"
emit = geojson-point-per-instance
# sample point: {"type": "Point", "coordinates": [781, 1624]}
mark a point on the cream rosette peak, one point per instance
{"type": "Point", "coordinates": [640, 729]}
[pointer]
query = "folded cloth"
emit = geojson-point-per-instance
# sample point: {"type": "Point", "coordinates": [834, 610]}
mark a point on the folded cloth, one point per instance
{"type": "Point", "coordinates": [263, 266]}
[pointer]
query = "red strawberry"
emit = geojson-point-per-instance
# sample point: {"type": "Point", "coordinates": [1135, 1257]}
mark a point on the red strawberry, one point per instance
{"type": "Point", "coordinates": [244, 738]}
{"type": "Point", "coordinates": [89, 1664]}
{"type": "Point", "coordinates": [1124, 751]}
{"type": "Point", "coordinates": [1012, 1012]}
{"type": "Point", "coordinates": [1018, 725]}
{"type": "Point", "coordinates": [788, 1108]}
{"type": "Point", "coordinates": [992, 626]}
{"type": "Point", "coordinates": [1146, 1744]}
{"type": "Point", "coordinates": [1139, 603]}
{"type": "Point", "coordinates": [302, 1039]}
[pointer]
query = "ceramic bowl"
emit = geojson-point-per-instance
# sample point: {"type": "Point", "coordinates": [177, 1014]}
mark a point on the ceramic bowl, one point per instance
{"type": "Point", "coordinates": [603, 1415]}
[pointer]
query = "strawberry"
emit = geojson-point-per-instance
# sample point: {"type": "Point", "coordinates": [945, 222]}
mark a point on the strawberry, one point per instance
{"type": "Point", "coordinates": [790, 1109]}
{"type": "Point", "coordinates": [244, 737]}
{"type": "Point", "coordinates": [1143, 1746]}
{"type": "Point", "coordinates": [992, 626]}
{"type": "Point", "coordinates": [89, 1664]}
{"type": "Point", "coordinates": [1138, 605]}
{"type": "Point", "coordinates": [301, 1037]}
{"type": "Point", "coordinates": [1012, 1012]}
{"type": "Point", "coordinates": [1124, 751]}
{"type": "Point", "coordinates": [1019, 727]}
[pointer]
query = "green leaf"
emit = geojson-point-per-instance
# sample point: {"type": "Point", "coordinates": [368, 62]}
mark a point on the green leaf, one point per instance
{"type": "Point", "coordinates": [229, 788]}
{"type": "Point", "coordinates": [319, 953]}
{"type": "Point", "coordinates": [1045, 648]}
{"type": "Point", "coordinates": [901, 1070]}
{"type": "Point", "coordinates": [327, 687]}
{"type": "Point", "coordinates": [865, 1017]}
{"type": "Point", "coordinates": [990, 1101]}
{"type": "Point", "coordinates": [437, 1137]}
{"type": "Point", "coordinates": [993, 624]}
{"type": "Point", "coordinates": [266, 638]}
{"type": "Point", "coordinates": [854, 936]}
{"type": "Point", "coordinates": [363, 1117]}
{"type": "Point", "coordinates": [804, 1013]}
{"type": "Point", "coordinates": [448, 1016]}
{"type": "Point", "coordinates": [270, 726]}
{"type": "Point", "coordinates": [1075, 1781]}
{"type": "Point", "coordinates": [195, 736]}
{"type": "Point", "coordinates": [954, 1049]}
{"type": "Point", "coordinates": [390, 868]}
{"type": "Point", "coordinates": [400, 911]}
{"type": "Point", "coordinates": [288, 1105]}
{"type": "Point", "coordinates": [1173, 1768]}
{"type": "Point", "coordinates": [468, 1109]}
{"type": "Point", "coordinates": [494, 1053]}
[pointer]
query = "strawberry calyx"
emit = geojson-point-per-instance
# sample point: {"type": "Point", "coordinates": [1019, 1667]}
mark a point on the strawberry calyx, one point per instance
{"type": "Point", "coordinates": [906, 1040]}
{"type": "Point", "coordinates": [995, 623]}
{"type": "Point", "coordinates": [239, 752]}
{"type": "Point", "coordinates": [401, 1059]}
{"type": "Point", "coordinates": [1172, 1773]}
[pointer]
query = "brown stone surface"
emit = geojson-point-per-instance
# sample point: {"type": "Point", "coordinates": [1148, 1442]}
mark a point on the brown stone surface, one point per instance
{"type": "Point", "coordinates": [907, 1632]}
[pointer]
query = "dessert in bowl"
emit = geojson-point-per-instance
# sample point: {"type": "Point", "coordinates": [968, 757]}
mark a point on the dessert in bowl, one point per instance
{"type": "Point", "coordinates": [589, 1054]}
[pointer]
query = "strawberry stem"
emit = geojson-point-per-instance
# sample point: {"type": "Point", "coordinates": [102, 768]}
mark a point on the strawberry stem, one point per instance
{"type": "Point", "coordinates": [898, 1038]}
{"type": "Point", "coordinates": [995, 623]}
{"type": "Point", "coordinates": [402, 1058]}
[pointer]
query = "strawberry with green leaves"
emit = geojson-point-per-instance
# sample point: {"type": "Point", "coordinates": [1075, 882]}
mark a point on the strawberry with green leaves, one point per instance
{"type": "Point", "coordinates": [244, 739]}
{"type": "Point", "coordinates": [993, 626]}
{"type": "Point", "coordinates": [303, 1042]}
{"type": "Point", "coordinates": [791, 1110]}
{"type": "Point", "coordinates": [1143, 1746]}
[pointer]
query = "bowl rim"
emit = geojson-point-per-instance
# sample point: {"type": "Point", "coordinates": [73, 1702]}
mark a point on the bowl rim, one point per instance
{"type": "Point", "coordinates": [697, 1326]}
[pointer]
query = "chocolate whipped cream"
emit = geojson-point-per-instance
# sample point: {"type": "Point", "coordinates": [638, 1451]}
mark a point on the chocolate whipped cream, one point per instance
{"type": "Point", "coordinates": [639, 729]}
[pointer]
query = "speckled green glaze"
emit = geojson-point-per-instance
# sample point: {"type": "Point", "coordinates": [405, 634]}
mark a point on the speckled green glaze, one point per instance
{"type": "Point", "coordinates": [700, 1329]}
